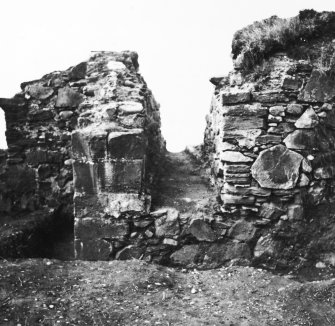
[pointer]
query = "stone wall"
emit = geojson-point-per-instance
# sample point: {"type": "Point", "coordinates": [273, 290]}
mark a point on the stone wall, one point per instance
{"type": "Point", "coordinates": [116, 149]}
{"type": "Point", "coordinates": [271, 145]}
{"type": "Point", "coordinates": [96, 121]}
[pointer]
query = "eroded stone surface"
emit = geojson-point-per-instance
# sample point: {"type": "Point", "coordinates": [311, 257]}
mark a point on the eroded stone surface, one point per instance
{"type": "Point", "coordinates": [308, 120]}
{"type": "Point", "coordinates": [201, 230]}
{"type": "Point", "coordinates": [67, 97]}
{"type": "Point", "coordinates": [245, 110]}
{"type": "Point", "coordinates": [294, 109]}
{"type": "Point", "coordinates": [243, 231]}
{"type": "Point", "coordinates": [219, 253]}
{"type": "Point", "coordinates": [186, 256]}
{"type": "Point", "coordinates": [301, 139]}
{"type": "Point", "coordinates": [277, 168]}
{"type": "Point", "coordinates": [319, 88]}
{"type": "Point", "coordinates": [39, 92]}
{"type": "Point", "coordinates": [234, 157]}
{"type": "Point", "coordinates": [271, 211]}
{"type": "Point", "coordinates": [168, 225]}
{"type": "Point", "coordinates": [235, 97]}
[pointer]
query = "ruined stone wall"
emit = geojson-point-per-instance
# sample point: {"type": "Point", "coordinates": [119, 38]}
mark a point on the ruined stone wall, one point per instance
{"type": "Point", "coordinates": [116, 151]}
{"type": "Point", "coordinates": [38, 170]}
{"type": "Point", "coordinates": [271, 144]}
{"type": "Point", "coordinates": [97, 121]}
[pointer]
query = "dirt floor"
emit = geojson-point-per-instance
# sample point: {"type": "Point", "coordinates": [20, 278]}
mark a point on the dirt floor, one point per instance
{"type": "Point", "coordinates": [55, 292]}
{"type": "Point", "coordinates": [183, 184]}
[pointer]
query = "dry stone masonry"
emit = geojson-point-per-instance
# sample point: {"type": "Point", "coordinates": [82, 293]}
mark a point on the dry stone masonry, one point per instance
{"type": "Point", "coordinates": [85, 143]}
{"type": "Point", "coordinates": [91, 133]}
{"type": "Point", "coordinates": [271, 145]}
{"type": "Point", "coordinates": [115, 148]}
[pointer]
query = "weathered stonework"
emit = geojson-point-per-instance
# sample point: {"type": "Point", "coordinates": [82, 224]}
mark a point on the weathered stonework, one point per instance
{"type": "Point", "coordinates": [85, 140]}
{"type": "Point", "coordinates": [272, 154]}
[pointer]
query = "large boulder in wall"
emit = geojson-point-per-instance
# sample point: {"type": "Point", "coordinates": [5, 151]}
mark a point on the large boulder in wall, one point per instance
{"type": "Point", "coordinates": [277, 168]}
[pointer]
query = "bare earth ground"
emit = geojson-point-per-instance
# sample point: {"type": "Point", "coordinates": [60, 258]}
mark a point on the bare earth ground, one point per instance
{"type": "Point", "coordinates": [51, 292]}
{"type": "Point", "coordinates": [55, 292]}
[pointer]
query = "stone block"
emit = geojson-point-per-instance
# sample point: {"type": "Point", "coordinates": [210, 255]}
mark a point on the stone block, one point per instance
{"type": "Point", "coordinates": [233, 123]}
{"type": "Point", "coordinates": [236, 168]}
{"type": "Point", "coordinates": [95, 249]}
{"type": "Point", "coordinates": [294, 109]}
{"type": "Point", "coordinates": [168, 225]}
{"type": "Point", "coordinates": [235, 97]}
{"type": "Point", "coordinates": [268, 139]}
{"type": "Point", "coordinates": [55, 157]}
{"type": "Point", "coordinates": [271, 211]}
{"type": "Point", "coordinates": [319, 88]}
{"type": "Point", "coordinates": [98, 228]}
{"type": "Point", "coordinates": [282, 128]}
{"type": "Point", "coordinates": [244, 110]}
{"type": "Point", "coordinates": [40, 115]}
{"type": "Point", "coordinates": [245, 138]}
{"type": "Point", "coordinates": [65, 115]}
{"type": "Point", "coordinates": [186, 256]}
{"type": "Point", "coordinates": [308, 120]}
{"type": "Point", "coordinates": [234, 157]}
{"type": "Point", "coordinates": [78, 71]}
{"type": "Point", "coordinates": [291, 84]}
{"type": "Point", "coordinates": [87, 205]}
{"type": "Point", "coordinates": [224, 146]}
{"type": "Point", "coordinates": [301, 139]}
{"type": "Point", "coordinates": [38, 91]}
{"type": "Point", "coordinates": [239, 178]}
{"type": "Point", "coordinates": [110, 204]}
{"type": "Point", "coordinates": [277, 110]}
{"type": "Point", "coordinates": [229, 199]}
{"type": "Point", "coordinates": [132, 121]}
{"type": "Point", "coordinates": [246, 191]}
{"type": "Point", "coordinates": [274, 119]}
{"type": "Point", "coordinates": [98, 146]}
{"type": "Point", "coordinates": [306, 166]}
{"type": "Point", "coordinates": [130, 107]}
{"type": "Point", "coordinates": [277, 168]}
{"type": "Point", "coordinates": [89, 144]}
{"type": "Point", "coordinates": [80, 145]}
{"type": "Point", "coordinates": [127, 145]}
{"type": "Point", "coordinates": [85, 177]}
{"type": "Point", "coordinates": [243, 231]}
{"type": "Point", "coordinates": [170, 242]}
{"type": "Point", "coordinates": [220, 253]}
{"type": "Point", "coordinates": [19, 179]}
{"type": "Point", "coordinates": [116, 66]}
{"type": "Point", "coordinates": [266, 247]}
{"type": "Point", "coordinates": [35, 157]}
{"type": "Point", "coordinates": [269, 97]}
{"type": "Point", "coordinates": [295, 212]}
{"type": "Point", "coordinates": [120, 176]}
{"type": "Point", "coordinates": [303, 181]}
{"type": "Point", "coordinates": [67, 97]}
{"type": "Point", "coordinates": [201, 230]}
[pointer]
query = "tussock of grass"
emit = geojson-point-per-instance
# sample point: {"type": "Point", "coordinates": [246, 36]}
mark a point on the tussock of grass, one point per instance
{"type": "Point", "coordinates": [257, 41]}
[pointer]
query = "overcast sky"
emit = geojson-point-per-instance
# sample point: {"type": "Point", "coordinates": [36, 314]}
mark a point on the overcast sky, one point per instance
{"type": "Point", "coordinates": [181, 44]}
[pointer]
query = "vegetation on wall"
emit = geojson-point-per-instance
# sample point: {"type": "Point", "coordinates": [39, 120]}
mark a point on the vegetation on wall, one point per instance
{"type": "Point", "coordinates": [254, 43]}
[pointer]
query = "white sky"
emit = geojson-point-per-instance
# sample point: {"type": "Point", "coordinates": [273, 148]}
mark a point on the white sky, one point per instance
{"type": "Point", "coordinates": [181, 44]}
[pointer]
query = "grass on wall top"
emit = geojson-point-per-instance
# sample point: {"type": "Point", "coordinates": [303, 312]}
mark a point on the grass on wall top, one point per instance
{"type": "Point", "coordinates": [259, 40]}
